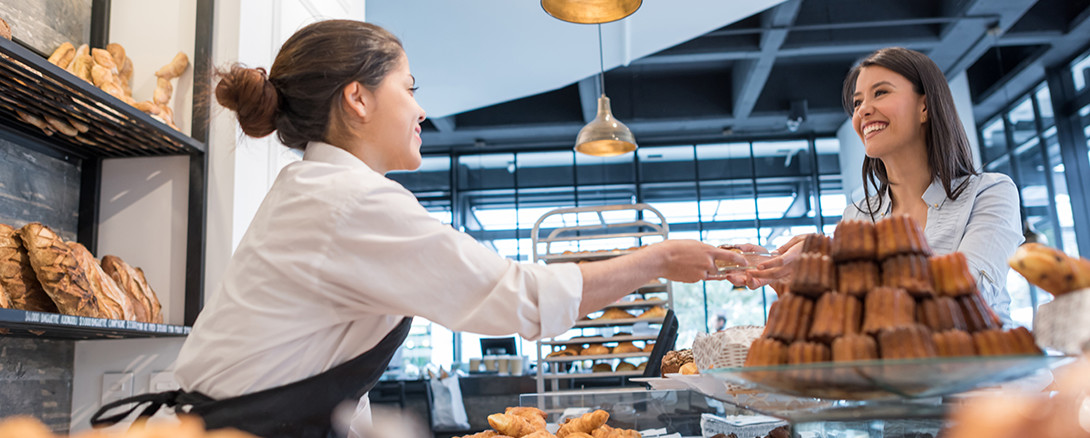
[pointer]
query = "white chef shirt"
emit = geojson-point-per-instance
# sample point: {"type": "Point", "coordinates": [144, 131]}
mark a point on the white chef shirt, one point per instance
{"type": "Point", "coordinates": [335, 257]}
{"type": "Point", "coordinates": [984, 223]}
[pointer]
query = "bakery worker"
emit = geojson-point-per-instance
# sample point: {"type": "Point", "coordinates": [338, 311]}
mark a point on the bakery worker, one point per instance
{"type": "Point", "coordinates": [338, 258]}
{"type": "Point", "coordinates": [918, 159]}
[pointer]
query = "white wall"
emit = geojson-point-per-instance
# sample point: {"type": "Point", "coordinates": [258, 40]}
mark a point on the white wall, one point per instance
{"type": "Point", "coordinates": [144, 200]}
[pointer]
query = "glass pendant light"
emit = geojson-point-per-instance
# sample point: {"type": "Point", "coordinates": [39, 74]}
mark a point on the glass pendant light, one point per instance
{"type": "Point", "coordinates": [605, 136]}
{"type": "Point", "coordinates": [590, 11]}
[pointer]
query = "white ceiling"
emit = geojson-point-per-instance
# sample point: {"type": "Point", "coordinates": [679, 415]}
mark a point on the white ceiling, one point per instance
{"type": "Point", "coordinates": [468, 54]}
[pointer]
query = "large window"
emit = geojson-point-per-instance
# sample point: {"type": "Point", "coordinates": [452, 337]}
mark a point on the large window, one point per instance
{"type": "Point", "coordinates": [752, 192]}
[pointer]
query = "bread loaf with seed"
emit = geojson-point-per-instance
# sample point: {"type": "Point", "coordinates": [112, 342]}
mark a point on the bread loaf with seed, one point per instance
{"type": "Point", "coordinates": [114, 301]}
{"type": "Point", "coordinates": [18, 277]}
{"type": "Point", "coordinates": [59, 272]}
{"type": "Point", "coordinates": [133, 284]}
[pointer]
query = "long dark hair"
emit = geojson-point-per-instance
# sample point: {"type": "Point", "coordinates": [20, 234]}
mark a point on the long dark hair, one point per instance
{"type": "Point", "coordinates": [296, 97]}
{"type": "Point", "coordinates": [948, 153]}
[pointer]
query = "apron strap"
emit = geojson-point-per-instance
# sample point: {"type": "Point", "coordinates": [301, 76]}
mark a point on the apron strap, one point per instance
{"type": "Point", "coordinates": [155, 401]}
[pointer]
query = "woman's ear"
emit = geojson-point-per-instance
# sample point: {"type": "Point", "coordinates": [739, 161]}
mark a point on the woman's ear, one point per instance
{"type": "Point", "coordinates": [355, 99]}
{"type": "Point", "coordinates": [923, 109]}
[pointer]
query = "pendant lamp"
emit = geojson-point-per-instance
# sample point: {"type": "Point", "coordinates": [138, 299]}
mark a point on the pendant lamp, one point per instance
{"type": "Point", "coordinates": [590, 11]}
{"type": "Point", "coordinates": [604, 136]}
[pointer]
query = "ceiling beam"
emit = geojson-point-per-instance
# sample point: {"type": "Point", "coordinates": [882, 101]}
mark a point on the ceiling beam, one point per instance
{"type": "Point", "coordinates": [750, 76]}
{"type": "Point", "coordinates": [443, 124]}
{"type": "Point", "coordinates": [965, 41]}
{"type": "Point", "coordinates": [820, 49]}
{"type": "Point", "coordinates": [588, 97]}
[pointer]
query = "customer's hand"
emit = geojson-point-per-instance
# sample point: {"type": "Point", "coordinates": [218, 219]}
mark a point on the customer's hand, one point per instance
{"type": "Point", "coordinates": [777, 269]}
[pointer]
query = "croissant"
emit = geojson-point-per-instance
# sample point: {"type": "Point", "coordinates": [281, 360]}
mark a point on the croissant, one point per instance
{"type": "Point", "coordinates": [608, 432]}
{"type": "Point", "coordinates": [536, 417]}
{"type": "Point", "coordinates": [1051, 269]}
{"type": "Point", "coordinates": [585, 424]}
{"type": "Point", "coordinates": [510, 425]}
{"type": "Point", "coordinates": [542, 433]}
{"type": "Point", "coordinates": [484, 434]}
{"type": "Point", "coordinates": [63, 55]}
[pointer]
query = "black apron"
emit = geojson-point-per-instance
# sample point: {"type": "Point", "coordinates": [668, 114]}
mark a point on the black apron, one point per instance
{"type": "Point", "coordinates": [302, 409]}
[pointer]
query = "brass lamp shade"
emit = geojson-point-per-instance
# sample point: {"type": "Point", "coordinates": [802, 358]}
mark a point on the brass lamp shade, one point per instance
{"type": "Point", "coordinates": [605, 136]}
{"type": "Point", "coordinates": [590, 11]}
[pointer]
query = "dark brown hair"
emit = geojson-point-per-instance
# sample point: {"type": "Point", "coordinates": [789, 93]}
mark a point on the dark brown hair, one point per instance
{"type": "Point", "coordinates": [948, 153]}
{"type": "Point", "coordinates": [296, 97]}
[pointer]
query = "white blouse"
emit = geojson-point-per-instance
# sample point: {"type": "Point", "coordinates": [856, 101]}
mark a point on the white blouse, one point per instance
{"type": "Point", "coordinates": [336, 255]}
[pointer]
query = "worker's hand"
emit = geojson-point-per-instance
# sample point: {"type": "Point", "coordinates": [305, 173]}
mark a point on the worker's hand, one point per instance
{"type": "Point", "coordinates": [690, 261]}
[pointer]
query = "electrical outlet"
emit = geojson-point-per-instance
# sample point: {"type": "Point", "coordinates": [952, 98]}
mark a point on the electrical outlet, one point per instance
{"type": "Point", "coordinates": [116, 386]}
{"type": "Point", "coordinates": [162, 381]}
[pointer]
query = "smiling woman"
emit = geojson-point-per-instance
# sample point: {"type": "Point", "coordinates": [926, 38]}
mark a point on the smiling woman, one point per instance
{"type": "Point", "coordinates": [919, 163]}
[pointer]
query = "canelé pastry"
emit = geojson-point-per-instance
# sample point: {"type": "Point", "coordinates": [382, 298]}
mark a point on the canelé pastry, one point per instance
{"type": "Point", "coordinates": [857, 278]}
{"type": "Point", "coordinates": [909, 272]}
{"type": "Point", "coordinates": [814, 275]}
{"type": "Point", "coordinates": [854, 347]}
{"type": "Point", "coordinates": [1023, 341]}
{"type": "Point", "coordinates": [766, 352]}
{"type": "Point", "coordinates": [836, 315]}
{"type": "Point", "coordinates": [789, 318]}
{"type": "Point", "coordinates": [673, 360]}
{"type": "Point", "coordinates": [615, 313]}
{"type": "Point", "coordinates": [900, 234]}
{"type": "Point", "coordinates": [996, 342]}
{"type": "Point", "coordinates": [855, 240]}
{"type": "Point", "coordinates": [909, 342]}
{"type": "Point", "coordinates": [653, 312]}
{"type": "Point", "coordinates": [887, 307]}
{"type": "Point", "coordinates": [953, 343]}
{"type": "Point", "coordinates": [817, 244]}
{"type": "Point", "coordinates": [950, 275]}
{"type": "Point", "coordinates": [978, 315]}
{"type": "Point", "coordinates": [625, 366]}
{"type": "Point", "coordinates": [807, 352]}
{"type": "Point", "coordinates": [940, 314]}
{"type": "Point", "coordinates": [594, 350]}
{"type": "Point", "coordinates": [602, 367]}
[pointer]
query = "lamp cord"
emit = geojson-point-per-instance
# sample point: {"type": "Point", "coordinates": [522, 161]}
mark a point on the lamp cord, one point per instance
{"type": "Point", "coordinates": [601, 63]}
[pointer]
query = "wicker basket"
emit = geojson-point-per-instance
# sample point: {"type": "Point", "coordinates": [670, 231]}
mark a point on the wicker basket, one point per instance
{"type": "Point", "coordinates": [725, 349]}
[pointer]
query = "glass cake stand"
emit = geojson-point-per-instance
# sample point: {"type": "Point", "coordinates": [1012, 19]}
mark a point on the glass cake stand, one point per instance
{"type": "Point", "coordinates": [889, 398]}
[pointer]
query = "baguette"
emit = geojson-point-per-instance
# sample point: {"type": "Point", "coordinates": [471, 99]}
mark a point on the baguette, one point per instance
{"type": "Point", "coordinates": [17, 276]}
{"type": "Point", "coordinates": [126, 278]}
{"type": "Point", "coordinates": [114, 301]}
{"type": "Point", "coordinates": [59, 272]}
{"type": "Point", "coordinates": [117, 52]}
{"type": "Point", "coordinates": [61, 126]}
{"type": "Point", "coordinates": [163, 91]}
{"type": "Point", "coordinates": [81, 66]}
{"type": "Point", "coordinates": [175, 68]}
{"type": "Point", "coordinates": [63, 55]}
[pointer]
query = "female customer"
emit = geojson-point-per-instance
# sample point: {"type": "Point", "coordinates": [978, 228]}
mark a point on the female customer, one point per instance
{"type": "Point", "coordinates": [338, 259]}
{"type": "Point", "coordinates": [918, 159]}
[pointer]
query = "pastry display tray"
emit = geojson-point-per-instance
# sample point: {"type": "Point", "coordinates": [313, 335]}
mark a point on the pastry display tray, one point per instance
{"type": "Point", "coordinates": [886, 379]}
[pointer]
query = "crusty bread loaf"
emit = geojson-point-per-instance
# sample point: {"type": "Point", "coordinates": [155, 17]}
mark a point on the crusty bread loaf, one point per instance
{"type": "Point", "coordinates": [5, 30]}
{"type": "Point", "coordinates": [130, 283]}
{"type": "Point", "coordinates": [17, 276]}
{"type": "Point", "coordinates": [156, 308]}
{"type": "Point", "coordinates": [59, 271]}
{"type": "Point", "coordinates": [5, 303]}
{"type": "Point", "coordinates": [109, 294]}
